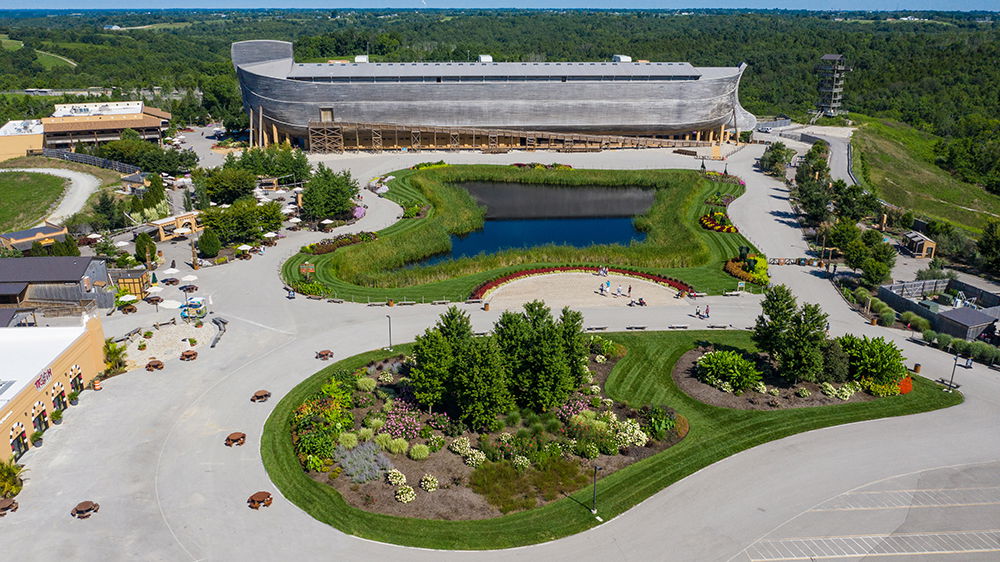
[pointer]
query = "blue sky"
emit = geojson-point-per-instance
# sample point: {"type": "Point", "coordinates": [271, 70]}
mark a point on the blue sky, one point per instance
{"type": "Point", "coordinates": [604, 4]}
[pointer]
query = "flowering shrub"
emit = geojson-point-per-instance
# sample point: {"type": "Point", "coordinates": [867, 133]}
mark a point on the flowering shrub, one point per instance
{"type": "Point", "coordinates": [386, 377]}
{"type": "Point", "coordinates": [717, 221]}
{"type": "Point", "coordinates": [460, 446]}
{"type": "Point", "coordinates": [330, 244]}
{"type": "Point", "coordinates": [803, 392]}
{"type": "Point", "coordinates": [402, 420]}
{"type": "Point", "coordinates": [395, 477]}
{"type": "Point", "coordinates": [886, 389]}
{"type": "Point", "coordinates": [405, 494]}
{"type": "Point", "coordinates": [439, 422]}
{"type": "Point", "coordinates": [607, 403]}
{"type": "Point", "coordinates": [760, 387]}
{"type": "Point", "coordinates": [906, 385]}
{"type": "Point", "coordinates": [848, 390]}
{"type": "Point", "coordinates": [520, 462]}
{"type": "Point", "coordinates": [362, 463]}
{"type": "Point", "coordinates": [600, 359]}
{"type": "Point", "coordinates": [627, 433]}
{"type": "Point", "coordinates": [572, 407]}
{"type": "Point", "coordinates": [505, 438]}
{"type": "Point", "coordinates": [488, 287]}
{"type": "Point", "coordinates": [720, 200]}
{"type": "Point", "coordinates": [435, 443]}
{"type": "Point", "coordinates": [540, 166]}
{"type": "Point", "coordinates": [727, 369]}
{"type": "Point", "coordinates": [429, 483]}
{"type": "Point", "coordinates": [828, 389]}
{"type": "Point", "coordinates": [595, 389]}
{"type": "Point", "coordinates": [475, 458]}
{"type": "Point", "coordinates": [753, 270]}
{"type": "Point", "coordinates": [774, 392]}
{"type": "Point", "coordinates": [723, 178]}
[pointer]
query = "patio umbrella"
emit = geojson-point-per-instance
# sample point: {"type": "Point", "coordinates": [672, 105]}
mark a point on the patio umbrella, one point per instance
{"type": "Point", "coordinates": [155, 301]}
{"type": "Point", "coordinates": [244, 247]}
{"type": "Point", "coordinates": [288, 210]}
{"type": "Point", "coordinates": [128, 298]}
{"type": "Point", "coordinates": [269, 235]}
{"type": "Point", "coordinates": [170, 304]}
{"type": "Point", "coordinates": [295, 220]}
{"type": "Point", "coordinates": [154, 290]}
{"type": "Point", "coordinates": [326, 221]}
{"type": "Point", "coordinates": [153, 281]}
{"type": "Point", "coordinates": [189, 278]}
{"type": "Point", "coordinates": [94, 236]}
{"type": "Point", "coordinates": [182, 230]}
{"type": "Point", "coordinates": [298, 190]}
{"type": "Point", "coordinates": [121, 244]}
{"type": "Point", "coordinates": [171, 271]}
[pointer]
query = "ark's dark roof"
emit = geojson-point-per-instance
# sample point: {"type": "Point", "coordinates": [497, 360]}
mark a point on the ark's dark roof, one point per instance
{"type": "Point", "coordinates": [447, 69]}
{"type": "Point", "coordinates": [55, 269]}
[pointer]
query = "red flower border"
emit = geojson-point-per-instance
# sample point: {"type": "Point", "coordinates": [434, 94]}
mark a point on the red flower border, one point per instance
{"type": "Point", "coordinates": [482, 290]}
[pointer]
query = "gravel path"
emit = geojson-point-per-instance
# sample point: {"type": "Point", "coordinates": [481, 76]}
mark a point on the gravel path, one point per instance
{"type": "Point", "coordinates": [81, 186]}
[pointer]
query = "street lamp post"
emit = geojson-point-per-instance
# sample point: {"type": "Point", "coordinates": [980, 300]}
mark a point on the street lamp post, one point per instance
{"type": "Point", "coordinates": [951, 383]}
{"type": "Point", "coordinates": [594, 508]}
{"type": "Point", "coordinates": [390, 332]}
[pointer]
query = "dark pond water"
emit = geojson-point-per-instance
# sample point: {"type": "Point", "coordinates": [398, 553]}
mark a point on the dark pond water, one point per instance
{"type": "Point", "coordinates": [524, 216]}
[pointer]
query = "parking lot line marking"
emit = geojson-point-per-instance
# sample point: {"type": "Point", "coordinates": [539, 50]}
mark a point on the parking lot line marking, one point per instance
{"type": "Point", "coordinates": [853, 546]}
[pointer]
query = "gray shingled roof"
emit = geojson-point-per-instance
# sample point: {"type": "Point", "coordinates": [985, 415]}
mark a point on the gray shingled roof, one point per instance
{"type": "Point", "coordinates": [31, 232]}
{"type": "Point", "coordinates": [6, 316]}
{"type": "Point", "coordinates": [55, 269]}
{"type": "Point", "coordinates": [967, 316]}
{"type": "Point", "coordinates": [12, 288]}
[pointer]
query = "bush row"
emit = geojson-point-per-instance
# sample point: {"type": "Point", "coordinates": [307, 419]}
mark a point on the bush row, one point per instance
{"type": "Point", "coordinates": [330, 244]}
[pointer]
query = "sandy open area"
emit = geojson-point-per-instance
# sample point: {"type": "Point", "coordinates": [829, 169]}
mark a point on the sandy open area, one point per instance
{"type": "Point", "coordinates": [579, 290]}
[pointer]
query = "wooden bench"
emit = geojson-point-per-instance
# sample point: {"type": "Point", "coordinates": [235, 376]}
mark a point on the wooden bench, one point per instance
{"type": "Point", "coordinates": [699, 295]}
{"type": "Point", "coordinates": [480, 334]}
{"type": "Point", "coordinates": [635, 327]}
{"type": "Point", "coordinates": [678, 326]}
{"type": "Point", "coordinates": [337, 301]}
{"type": "Point", "coordinates": [718, 326]}
{"type": "Point", "coordinates": [596, 328]}
{"type": "Point", "coordinates": [951, 385]}
{"type": "Point", "coordinates": [439, 302]}
{"type": "Point", "coordinates": [474, 301]}
{"type": "Point", "coordinates": [406, 303]}
{"type": "Point", "coordinates": [731, 294]}
{"type": "Point", "coordinates": [383, 303]}
{"type": "Point", "coordinates": [129, 335]}
{"type": "Point", "coordinates": [314, 298]}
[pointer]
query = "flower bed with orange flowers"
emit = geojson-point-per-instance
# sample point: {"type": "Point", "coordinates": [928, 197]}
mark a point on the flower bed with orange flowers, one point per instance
{"type": "Point", "coordinates": [488, 287]}
{"type": "Point", "coordinates": [717, 221]}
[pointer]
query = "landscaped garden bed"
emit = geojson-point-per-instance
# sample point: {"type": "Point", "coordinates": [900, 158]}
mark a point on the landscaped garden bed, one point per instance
{"type": "Point", "coordinates": [382, 270]}
{"type": "Point", "coordinates": [717, 221]}
{"type": "Point", "coordinates": [488, 287]}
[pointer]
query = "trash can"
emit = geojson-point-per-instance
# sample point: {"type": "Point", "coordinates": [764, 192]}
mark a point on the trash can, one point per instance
{"type": "Point", "coordinates": [916, 367]}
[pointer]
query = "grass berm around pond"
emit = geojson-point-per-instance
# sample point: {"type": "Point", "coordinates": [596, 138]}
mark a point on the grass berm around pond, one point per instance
{"type": "Point", "coordinates": [675, 244]}
{"type": "Point", "coordinates": [643, 376]}
{"type": "Point", "coordinates": [26, 198]}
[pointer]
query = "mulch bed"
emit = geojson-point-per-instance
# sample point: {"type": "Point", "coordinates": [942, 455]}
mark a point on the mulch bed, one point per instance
{"type": "Point", "coordinates": [454, 500]}
{"type": "Point", "coordinates": [684, 377]}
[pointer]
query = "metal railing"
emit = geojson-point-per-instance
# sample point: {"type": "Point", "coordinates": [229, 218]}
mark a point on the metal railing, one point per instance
{"type": "Point", "coordinates": [88, 159]}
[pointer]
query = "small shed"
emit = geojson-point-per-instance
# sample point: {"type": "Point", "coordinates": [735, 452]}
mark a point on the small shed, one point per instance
{"type": "Point", "coordinates": [965, 322]}
{"type": "Point", "coordinates": [919, 245]}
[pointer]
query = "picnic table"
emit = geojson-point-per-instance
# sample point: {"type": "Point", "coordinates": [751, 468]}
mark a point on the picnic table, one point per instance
{"type": "Point", "coordinates": [260, 396]}
{"type": "Point", "coordinates": [324, 354]}
{"type": "Point", "coordinates": [129, 309]}
{"type": "Point", "coordinates": [154, 299]}
{"type": "Point", "coordinates": [236, 438]}
{"type": "Point", "coordinates": [7, 505]}
{"type": "Point", "coordinates": [154, 365]}
{"type": "Point", "coordinates": [189, 288]}
{"type": "Point", "coordinates": [189, 355]}
{"type": "Point", "coordinates": [259, 499]}
{"type": "Point", "coordinates": [83, 510]}
{"type": "Point", "coordinates": [170, 281]}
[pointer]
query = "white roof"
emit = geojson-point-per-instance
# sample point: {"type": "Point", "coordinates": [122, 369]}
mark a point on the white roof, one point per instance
{"type": "Point", "coordinates": [97, 108]}
{"type": "Point", "coordinates": [21, 127]}
{"type": "Point", "coordinates": [29, 351]}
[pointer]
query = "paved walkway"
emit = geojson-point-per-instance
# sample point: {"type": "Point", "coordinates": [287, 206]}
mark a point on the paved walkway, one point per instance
{"type": "Point", "coordinates": [81, 186]}
{"type": "Point", "coordinates": [149, 447]}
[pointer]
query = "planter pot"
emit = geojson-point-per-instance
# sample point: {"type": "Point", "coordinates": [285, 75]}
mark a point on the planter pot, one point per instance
{"type": "Point", "coordinates": [147, 337]}
{"type": "Point", "coordinates": [74, 402]}
{"type": "Point", "coordinates": [36, 443]}
{"type": "Point", "coordinates": [58, 421]}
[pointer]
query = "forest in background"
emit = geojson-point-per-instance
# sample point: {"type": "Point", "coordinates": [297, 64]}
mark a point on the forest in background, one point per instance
{"type": "Point", "coordinates": [940, 75]}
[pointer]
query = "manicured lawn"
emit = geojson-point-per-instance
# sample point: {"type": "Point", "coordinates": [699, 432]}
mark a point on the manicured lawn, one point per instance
{"type": "Point", "coordinates": [45, 59]}
{"type": "Point", "coordinates": [25, 198]}
{"type": "Point", "coordinates": [642, 377]}
{"type": "Point", "coordinates": [898, 161]}
{"type": "Point", "coordinates": [675, 246]}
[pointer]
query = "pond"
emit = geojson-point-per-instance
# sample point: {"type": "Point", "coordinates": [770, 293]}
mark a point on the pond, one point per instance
{"type": "Point", "coordinates": [525, 215]}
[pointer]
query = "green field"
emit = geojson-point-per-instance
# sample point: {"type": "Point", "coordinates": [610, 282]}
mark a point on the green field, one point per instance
{"type": "Point", "coordinates": [675, 245]}
{"type": "Point", "coordinates": [25, 198]}
{"type": "Point", "coordinates": [47, 60]}
{"type": "Point", "coordinates": [642, 377]}
{"type": "Point", "coordinates": [898, 162]}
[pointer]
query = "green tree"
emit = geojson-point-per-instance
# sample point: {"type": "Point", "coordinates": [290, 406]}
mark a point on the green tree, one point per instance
{"type": "Point", "coordinates": [856, 254]}
{"type": "Point", "coordinates": [244, 221]}
{"type": "Point", "coordinates": [481, 386]}
{"type": "Point", "coordinates": [989, 246]}
{"type": "Point", "coordinates": [574, 344]}
{"type": "Point", "coordinates": [776, 158]}
{"type": "Point", "coordinates": [533, 344]}
{"type": "Point", "coordinates": [431, 375]}
{"type": "Point", "coordinates": [801, 356]}
{"type": "Point", "coordinates": [874, 273]}
{"type": "Point", "coordinates": [775, 321]}
{"type": "Point", "coordinates": [456, 327]}
{"type": "Point", "coordinates": [209, 244]}
{"type": "Point", "coordinates": [11, 478]}
{"type": "Point", "coordinates": [226, 185]}
{"type": "Point", "coordinates": [843, 233]}
{"type": "Point", "coordinates": [145, 248]}
{"type": "Point", "coordinates": [873, 360]}
{"type": "Point", "coordinates": [836, 367]}
{"type": "Point", "coordinates": [329, 194]}
{"type": "Point", "coordinates": [114, 357]}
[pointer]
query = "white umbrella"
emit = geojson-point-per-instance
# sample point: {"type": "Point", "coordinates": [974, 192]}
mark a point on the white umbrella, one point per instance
{"type": "Point", "coordinates": [128, 298]}
{"type": "Point", "coordinates": [270, 235]}
{"type": "Point", "coordinates": [171, 271]}
{"type": "Point", "coordinates": [189, 278]}
{"type": "Point", "coordinates": [326, 221]}
{"type": "Point", "coordinates": [224, 206]}
{"type": "Point", "coordinates": [170, 304]}
{"type": "Point", "coordinates": [94, 236]}
{"type": "Point", "coordinates": [288, 210]}
{"type": "Point", "coordinates": [298, 190]}
{"type": "Point", "coordinates": [121, 244]}
{"type": "Point", "coordinates": [294, 219]}
{"type": "Point", "coordinates": [154, 289]}
{"type": "Point", "coordinates": [182, 230]}
{"type": "Point", "coordinates": [281, 192]}
{"type": "Point", "coordinates": [244, 247]}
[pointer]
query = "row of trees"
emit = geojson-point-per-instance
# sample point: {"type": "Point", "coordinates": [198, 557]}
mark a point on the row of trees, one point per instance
{"type": "Point", "coordinates": [131, 149]}
{"type": "Point", "coordinates": [532, 360]}
{"type": "Point", "coordinates": [243, 221]}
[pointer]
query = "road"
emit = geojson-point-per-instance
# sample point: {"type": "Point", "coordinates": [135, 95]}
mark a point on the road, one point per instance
{"type": "Point", "coordinates": [149, 447]}
{"type": "Point", "coordinates": [81, 187]}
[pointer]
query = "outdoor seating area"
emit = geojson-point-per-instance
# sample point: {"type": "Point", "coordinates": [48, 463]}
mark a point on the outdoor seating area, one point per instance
{"type": "Point", "coordinates": [324, 355]}
{"type": "Point", "coordinates": [189, 355]}
{"type": "Point", "coordinates": [260, 396]}
{"type": "Point", "coordinates": [129, 309]}
{"type": "Point", "coordinates": [189, 288]}
{"type": "Point", "coordinates": [7, 505]}
{"type": "Point", "coordinates": [236, 439]}
{"type": "Point", "coordinates": [170, 281]}
{"type": "Point", "coordinates": [84, 510]}
{"type": "Point", "coordinates": [154, 365]}
{"type": "Point", "coordinates": [259, 499]}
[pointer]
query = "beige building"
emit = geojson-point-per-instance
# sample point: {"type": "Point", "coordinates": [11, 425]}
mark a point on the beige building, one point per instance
{"type": "Point", "coordinates": [18, 137]}
{"type": "Point", "coordinates": [42, 367]}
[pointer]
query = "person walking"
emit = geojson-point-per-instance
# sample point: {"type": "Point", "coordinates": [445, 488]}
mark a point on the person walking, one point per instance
{"type": "Point", "coordinates": [708, 313]}
{"type": "Point", "coordinates": [619, 290]}
{"type": "Point", "coordinates": [630, 291]}
{"type": "Point", "coordinates": [697, 311]}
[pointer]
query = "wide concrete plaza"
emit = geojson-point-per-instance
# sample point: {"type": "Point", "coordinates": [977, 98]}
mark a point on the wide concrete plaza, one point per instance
{"type": "Point", "coordinates": [149, 447]}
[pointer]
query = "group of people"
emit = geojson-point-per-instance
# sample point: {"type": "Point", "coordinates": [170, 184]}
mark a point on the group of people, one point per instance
{"type": "Point", "coordinates": [605, 289]}
{"type": "Point", "coordinates": [698, 313]}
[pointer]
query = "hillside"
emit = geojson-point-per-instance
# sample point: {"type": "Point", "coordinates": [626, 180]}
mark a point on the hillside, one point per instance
{"type": "Point", "coordinates": [898, 162]}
